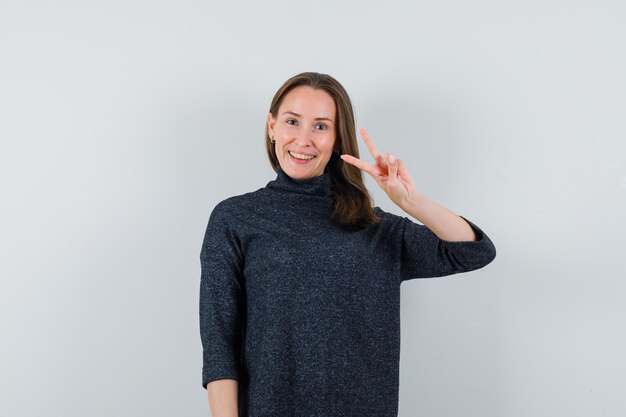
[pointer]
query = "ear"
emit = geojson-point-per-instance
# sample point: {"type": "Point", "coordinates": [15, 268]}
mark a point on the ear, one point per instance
{"type": "Point", "coordinates": [270, 124]}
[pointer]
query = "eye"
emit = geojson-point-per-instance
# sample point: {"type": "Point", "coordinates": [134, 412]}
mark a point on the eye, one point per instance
{"type": "Point", "coordinates": [291, 120]}
{"type": "Point", "coordinates": [322, 126]}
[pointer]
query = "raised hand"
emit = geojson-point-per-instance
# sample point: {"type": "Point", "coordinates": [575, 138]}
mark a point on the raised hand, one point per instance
{"type": "Point", "coordinates": [388, 172]}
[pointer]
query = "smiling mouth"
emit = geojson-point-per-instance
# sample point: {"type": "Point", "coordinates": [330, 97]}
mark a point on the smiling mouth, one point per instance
{"type": "Point", "coordinates": [301, 156]}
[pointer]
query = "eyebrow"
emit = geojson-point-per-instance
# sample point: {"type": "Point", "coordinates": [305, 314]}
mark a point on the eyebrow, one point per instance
{"type": "Point", "coordinates": [317, 118]}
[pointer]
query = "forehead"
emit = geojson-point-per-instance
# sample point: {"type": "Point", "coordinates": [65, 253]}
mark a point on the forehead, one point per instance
{"type": "Point", "coordinates": [308, 102]}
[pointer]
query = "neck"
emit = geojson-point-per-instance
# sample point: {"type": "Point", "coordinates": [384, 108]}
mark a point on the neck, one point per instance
{"type": "Point", "coordinates": [319, 185]}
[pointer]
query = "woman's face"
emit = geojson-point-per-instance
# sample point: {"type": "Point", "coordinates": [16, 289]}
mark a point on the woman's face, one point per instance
{"type": "Point", "coordinates": [304, 131]}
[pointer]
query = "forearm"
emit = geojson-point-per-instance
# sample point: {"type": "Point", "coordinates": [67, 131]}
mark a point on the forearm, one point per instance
{"type": "Point", "coordinates": [441, 221]}
{"type": "Point", "coordinates": [222, 395]}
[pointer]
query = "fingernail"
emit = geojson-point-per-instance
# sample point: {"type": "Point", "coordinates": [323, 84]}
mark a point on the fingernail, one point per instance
{"type": "Point", "coordinates": [392, 159]}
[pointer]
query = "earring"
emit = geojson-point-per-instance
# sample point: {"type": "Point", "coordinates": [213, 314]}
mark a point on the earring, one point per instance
{"type": "Point", "coordinates": [272, 140]}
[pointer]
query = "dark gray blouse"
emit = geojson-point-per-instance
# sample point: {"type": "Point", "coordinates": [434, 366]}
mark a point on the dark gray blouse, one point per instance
{"type": "Point", "coordinates": [305, 314]}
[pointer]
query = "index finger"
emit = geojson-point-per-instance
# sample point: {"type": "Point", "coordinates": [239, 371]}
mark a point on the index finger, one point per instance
{"type": "Point", "coordinates": [359, 164]}
{"type": "Point", "coordinates": [371, 147]}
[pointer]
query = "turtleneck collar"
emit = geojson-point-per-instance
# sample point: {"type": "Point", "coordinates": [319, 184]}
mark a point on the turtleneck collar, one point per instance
{"type": "Point", "coordinates": [319, 185]}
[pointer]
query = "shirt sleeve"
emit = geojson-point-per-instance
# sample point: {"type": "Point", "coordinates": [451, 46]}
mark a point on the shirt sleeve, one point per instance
{"type": "Point", "coordinates": [220, 300]}
{"type": "Point", "coordinates": [425, 255]}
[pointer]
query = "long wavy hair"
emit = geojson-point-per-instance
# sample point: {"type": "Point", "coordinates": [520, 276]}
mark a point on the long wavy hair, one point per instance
{"type": "Point", "coordinates": [354, 206]}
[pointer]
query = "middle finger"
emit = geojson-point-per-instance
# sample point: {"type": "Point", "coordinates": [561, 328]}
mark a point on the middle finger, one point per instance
{"type": "Point", "coordinates": [371, 147]}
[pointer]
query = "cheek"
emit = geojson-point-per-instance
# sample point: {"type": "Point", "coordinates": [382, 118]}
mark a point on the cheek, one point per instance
{"type": "Point", "coordinates": [331, 145]}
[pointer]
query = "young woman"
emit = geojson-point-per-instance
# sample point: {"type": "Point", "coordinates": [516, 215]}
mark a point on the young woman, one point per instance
{"type": "Point", "coordinates": [300, 281]}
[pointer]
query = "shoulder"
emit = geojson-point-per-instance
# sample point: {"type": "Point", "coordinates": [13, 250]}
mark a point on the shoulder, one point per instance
{"type": "Point", "coordinates": [225, 215]}
{"type": "Point", "coordinates": [390, 223]}
{"type": "Point", "coordinates": [388, 217]}
{"type": "Point", "coordinates": [237, 203]}
{"type": "Point", "coordinates": [232, 211]}
{"type": "Point", "coordinates": [395, 223]}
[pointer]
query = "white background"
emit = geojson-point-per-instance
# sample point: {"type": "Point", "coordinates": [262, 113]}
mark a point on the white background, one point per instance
{"type": "Point", "coordinates": [123, 123]}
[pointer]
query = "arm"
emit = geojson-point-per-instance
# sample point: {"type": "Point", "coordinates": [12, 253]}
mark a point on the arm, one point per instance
{"type": "Point", "coordinates": [444, 223]}
{"type": "Point", "coordinates": [394, 178]}
{"type": "Point", "coordinates": [222, 395]}
{"type": "Point", "coordinates": [221, 313]}
{"type": "Point", "coordinates": [425, 255]}
{"type": "Point", "coordinates": [445, 244]}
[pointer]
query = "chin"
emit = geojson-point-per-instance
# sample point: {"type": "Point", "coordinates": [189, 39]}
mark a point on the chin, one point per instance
{"type": "Point", "coordinates": [302, 174]}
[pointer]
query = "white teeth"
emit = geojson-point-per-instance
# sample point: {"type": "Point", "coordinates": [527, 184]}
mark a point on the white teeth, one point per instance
{"type": "Point", "coordinates": [300, 156]}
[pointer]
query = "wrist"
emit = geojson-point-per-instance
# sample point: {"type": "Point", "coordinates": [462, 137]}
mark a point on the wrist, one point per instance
{"type": "Point", "coordinates": [416, 205]}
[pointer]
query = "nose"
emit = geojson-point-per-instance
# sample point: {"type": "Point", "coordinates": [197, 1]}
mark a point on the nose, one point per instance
{"type": "Point", "coordinates": [304, 137]}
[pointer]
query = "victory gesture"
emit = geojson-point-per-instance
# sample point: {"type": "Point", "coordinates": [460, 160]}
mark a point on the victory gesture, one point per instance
{"type": "Point", "coordinates": [388, 172]}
